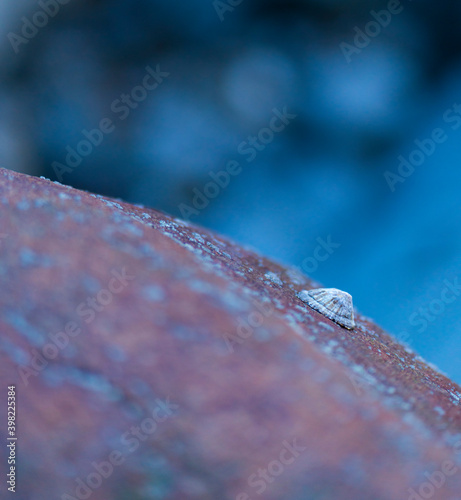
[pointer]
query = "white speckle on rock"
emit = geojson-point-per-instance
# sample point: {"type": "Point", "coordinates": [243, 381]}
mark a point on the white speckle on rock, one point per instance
{"type": "Point", "coordinates": [202, 287]}
{"type": "Point", "coordinates": [326, 326]}
{"type": "Point", "coordinates": [456, 396]}
{"type": "Point", "coordinates": [263, 335]}
{"type": "Point", "coordinates": [23, 205]}
{"type": "Point", "coordinates": [41, 202]}
{"type": "Point", "coordinates": [199, 238]}
{"type": "Point", "coordinates": [153, 293]}
{"type": "Point", "coordinates": [133, 229]}
{"type": "Point", "coordinates": [29, 258]}
{"type": "Point", "coordinates": [112, 204]}
{"type": "Point", "coordinates": [296, 276]}
{"type": "Point", "coordinates": [213, 247]}
{"type": "Point", "coordinates": [273, 278]}
{"type": "Point", "coordinates": [439, 410]}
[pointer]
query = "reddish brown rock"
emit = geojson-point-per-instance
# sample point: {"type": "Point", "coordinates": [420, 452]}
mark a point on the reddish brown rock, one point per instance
{"type": "Point", "coordinates": [155, 360]}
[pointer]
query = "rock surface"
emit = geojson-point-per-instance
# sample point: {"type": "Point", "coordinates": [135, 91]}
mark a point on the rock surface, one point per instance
{"type": "Point", "coordinates": [154, 359]}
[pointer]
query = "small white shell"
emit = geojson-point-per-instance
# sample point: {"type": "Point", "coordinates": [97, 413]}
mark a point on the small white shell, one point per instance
{"type": "Point", "coordinates": [332, 303]}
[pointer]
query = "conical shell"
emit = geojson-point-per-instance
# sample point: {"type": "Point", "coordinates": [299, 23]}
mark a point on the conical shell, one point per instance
{"type": "Point", "coordinates": [332, 303]}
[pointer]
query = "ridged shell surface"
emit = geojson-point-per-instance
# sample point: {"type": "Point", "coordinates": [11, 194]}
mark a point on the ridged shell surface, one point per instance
{"type": "Point", "coordinates": [332, 303]}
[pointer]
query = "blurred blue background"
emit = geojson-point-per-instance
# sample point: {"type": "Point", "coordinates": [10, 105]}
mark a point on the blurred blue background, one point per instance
{"type": "Point", "coordinates": [359, 83]}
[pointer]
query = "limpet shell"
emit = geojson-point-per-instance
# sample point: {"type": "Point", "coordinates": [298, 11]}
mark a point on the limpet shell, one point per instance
{"type": "Point", "coordinates": [332, 303]}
